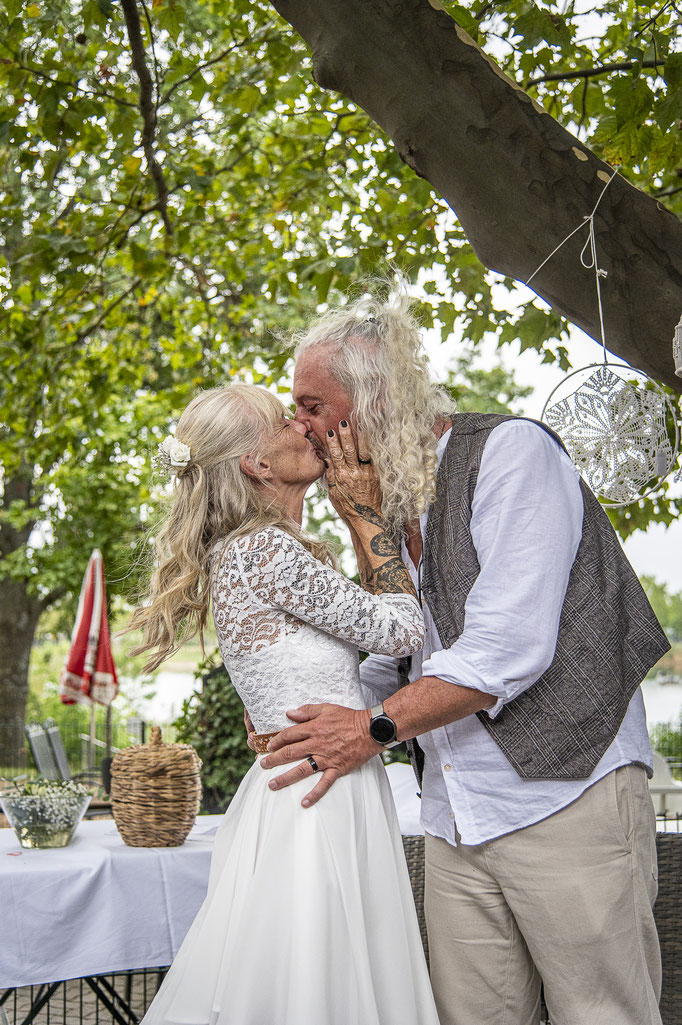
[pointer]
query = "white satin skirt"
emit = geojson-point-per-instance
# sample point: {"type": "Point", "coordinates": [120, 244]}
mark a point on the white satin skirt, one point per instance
{"type": "Point", "coordinates": [309, 917]}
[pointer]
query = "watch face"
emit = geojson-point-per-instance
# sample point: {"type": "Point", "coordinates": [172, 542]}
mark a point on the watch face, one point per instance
{"type": "Point", "coordinates": [382, 729]}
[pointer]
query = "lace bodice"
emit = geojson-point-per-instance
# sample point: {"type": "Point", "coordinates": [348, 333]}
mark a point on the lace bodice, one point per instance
{"type": "Point", "coordinates": [289, 627]}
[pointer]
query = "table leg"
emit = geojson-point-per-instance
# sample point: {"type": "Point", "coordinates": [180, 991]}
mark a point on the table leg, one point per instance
{"type": "Point", "coordinates": [103, 990]}
{"type": "Point", "coordinates": [44, 994]}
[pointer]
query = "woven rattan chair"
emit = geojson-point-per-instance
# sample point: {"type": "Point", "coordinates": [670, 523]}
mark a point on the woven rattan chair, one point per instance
{"type": "Point", "coordinates": [414, 855]}
{"type": "Point", "coordinates": [667, 912]}
{"type": "Point", "coordinates": [668, 915]}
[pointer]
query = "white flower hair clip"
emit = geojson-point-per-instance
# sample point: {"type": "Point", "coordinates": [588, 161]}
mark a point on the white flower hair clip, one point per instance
{"type": "Point", "coordinates": [173, 456]}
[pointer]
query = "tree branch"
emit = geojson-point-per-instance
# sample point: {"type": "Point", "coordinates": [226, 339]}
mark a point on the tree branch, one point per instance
{"type": "Point", "coordinates": [196, 71]}
{"type": "Point", "coordinates": [653, 19]}
{"type": "Point", "coordinates": [517, 180]}
{"type": "Point", "coordinates": [147, 108]}
{"type": "Point", "coordinates": [155, 63]}
{"type": "Point", "coordinates": [93, 325]}
{"type": "Point", "coordinates": [604, 69]}
{"type": "Point", "coordinates": [258, 39]}
{"type": "Point", "coordinates": [49, 599]}
{"type": "Point", "coordinates": [76, 86]}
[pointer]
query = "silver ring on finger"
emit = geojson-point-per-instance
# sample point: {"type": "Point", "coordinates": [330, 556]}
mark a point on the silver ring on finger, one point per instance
{"type": "Point", "coordinates": [314, 764]}
{"type": "Point", "coordinates": [364, 462]}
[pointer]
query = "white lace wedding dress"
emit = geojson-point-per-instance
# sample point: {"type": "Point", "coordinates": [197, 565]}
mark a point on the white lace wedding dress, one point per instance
{"type": "Point", "coordinates": [309, 917]}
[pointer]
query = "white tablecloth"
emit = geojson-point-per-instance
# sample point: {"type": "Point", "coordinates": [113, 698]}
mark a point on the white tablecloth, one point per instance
{"type": "Point", "coordinates": [98, 906]}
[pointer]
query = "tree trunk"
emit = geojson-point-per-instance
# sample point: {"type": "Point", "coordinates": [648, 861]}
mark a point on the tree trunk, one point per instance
{"type": "Point", "coordinates": [517, 180]}
{"type": "Point", "coordinates": [19, 614]}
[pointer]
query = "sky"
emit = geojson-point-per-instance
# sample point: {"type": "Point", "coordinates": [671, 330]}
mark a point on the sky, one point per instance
{"type": "Point", "coordinates": [656, 552]}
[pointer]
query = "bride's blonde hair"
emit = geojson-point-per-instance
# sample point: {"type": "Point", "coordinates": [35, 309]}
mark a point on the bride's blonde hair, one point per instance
{"type": "Point", "coordinates": [212, 499]}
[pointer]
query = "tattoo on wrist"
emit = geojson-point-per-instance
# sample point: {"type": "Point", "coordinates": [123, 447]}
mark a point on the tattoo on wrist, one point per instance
{"type": "Point", "coordinates": [392, 577]}
{"type": "Point", "coordinates": [369, 514]}
{"type": "Point", "coordinates": [384, 545]}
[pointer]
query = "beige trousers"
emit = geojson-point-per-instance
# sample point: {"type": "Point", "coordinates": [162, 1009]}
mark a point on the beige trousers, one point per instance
{"type": "Point", "coordinates": [567, 901]}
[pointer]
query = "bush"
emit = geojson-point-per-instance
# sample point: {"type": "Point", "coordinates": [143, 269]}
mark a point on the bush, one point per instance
{"type": "Point", "coordinates": [212, 721]}
{"type": "Point", "coordinates": [666, 738]}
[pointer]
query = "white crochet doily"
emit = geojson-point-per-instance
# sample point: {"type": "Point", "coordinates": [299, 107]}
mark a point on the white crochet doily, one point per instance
{"type": "Point", "coordinates": [617, 425]}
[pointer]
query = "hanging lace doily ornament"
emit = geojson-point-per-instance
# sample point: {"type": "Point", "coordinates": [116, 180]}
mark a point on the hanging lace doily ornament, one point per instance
{"type": "Point", "coordinates": [619, 427]}
{"type": "Point", "coordinates": [677, 348]}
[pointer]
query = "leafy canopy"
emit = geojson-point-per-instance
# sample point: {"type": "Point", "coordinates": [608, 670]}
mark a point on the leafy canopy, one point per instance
{"type": "Point", "coordinates": [177, 194]}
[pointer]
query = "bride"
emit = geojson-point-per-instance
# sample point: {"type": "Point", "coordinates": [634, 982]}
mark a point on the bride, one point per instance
{"type": "Point", "coordinates": [309, 917]}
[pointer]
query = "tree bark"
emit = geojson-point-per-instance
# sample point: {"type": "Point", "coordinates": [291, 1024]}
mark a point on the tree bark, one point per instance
{"type": "Point", "coordinates": [19, 614]}
{"type": "Point", "coordinates": [517, 180]}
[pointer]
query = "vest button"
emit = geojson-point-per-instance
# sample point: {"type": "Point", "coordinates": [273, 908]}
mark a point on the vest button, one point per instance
{"type": "Point", "coordinates": [447, 766]}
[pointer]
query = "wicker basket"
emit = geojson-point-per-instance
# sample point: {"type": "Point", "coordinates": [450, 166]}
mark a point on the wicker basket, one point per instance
{"type": "Point", "coordinates": [155, 792]}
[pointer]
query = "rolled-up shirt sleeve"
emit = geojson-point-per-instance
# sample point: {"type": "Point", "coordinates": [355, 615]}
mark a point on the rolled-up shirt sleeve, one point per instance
{"type": "Point", "coordinates": [526, 527]}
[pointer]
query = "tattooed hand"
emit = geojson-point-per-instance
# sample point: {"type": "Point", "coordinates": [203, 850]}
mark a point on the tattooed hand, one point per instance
{"type": "Point", "coordinates": [353, 481]}
{"type": "Point", "coordinates": [356, 496]}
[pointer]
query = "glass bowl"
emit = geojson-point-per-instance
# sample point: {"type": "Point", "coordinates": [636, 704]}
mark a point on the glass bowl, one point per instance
{"type": "Point", "coordinates": [45, 814]}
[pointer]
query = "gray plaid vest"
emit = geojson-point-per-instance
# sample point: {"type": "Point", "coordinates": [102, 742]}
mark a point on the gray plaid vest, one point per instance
{"type": "Point", "coordinates": [608, 640]}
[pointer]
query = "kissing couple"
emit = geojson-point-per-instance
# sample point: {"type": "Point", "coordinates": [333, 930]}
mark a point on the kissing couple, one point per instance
{"type": "Point", "coordinates": [508, 636]}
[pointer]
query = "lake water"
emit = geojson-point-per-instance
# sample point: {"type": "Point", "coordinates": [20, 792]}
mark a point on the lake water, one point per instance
{"type": "Point", "coordinates": [170, 690]}
{"type": "Point", "coordinates": [663, 701]}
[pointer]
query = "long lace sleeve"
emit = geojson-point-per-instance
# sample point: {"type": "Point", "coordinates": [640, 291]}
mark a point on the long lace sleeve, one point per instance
{"type": "Point", "coordinates": [282, 574]}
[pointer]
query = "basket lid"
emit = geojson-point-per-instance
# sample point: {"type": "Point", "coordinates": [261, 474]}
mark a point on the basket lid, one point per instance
{"type": "Point", "coordinates": [157, 755]}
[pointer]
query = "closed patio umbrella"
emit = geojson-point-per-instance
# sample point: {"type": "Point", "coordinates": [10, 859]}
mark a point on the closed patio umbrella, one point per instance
{"type": "Point", "coordinates": [89, 674]}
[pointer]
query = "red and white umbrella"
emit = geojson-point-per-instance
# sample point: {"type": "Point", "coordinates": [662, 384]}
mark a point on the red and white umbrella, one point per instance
{"type": "Point", "coordinates": [89, 674]}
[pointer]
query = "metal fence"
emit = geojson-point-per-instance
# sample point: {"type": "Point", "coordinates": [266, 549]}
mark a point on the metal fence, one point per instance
{"type": "Point", "coordinates": [669, 822]}
{"type": "Point", "coordinates": [118, 997]}
{"type": "Point", "coordinates": [82, 751]}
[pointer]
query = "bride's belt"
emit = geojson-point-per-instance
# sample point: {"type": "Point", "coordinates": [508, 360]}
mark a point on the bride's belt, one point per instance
{"type": "Point", "coordinates": [260, 741]}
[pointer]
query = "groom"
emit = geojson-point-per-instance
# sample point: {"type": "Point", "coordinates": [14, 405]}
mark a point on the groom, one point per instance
{"type": "Point", "coordinates": [532, 750]}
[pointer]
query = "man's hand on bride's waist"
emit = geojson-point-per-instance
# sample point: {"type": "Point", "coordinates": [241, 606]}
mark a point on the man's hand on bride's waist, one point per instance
{"type": "Point", "coordinates": [329, 739]}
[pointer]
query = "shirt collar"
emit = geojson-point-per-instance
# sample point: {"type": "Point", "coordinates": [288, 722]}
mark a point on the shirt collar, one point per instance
{"type": "Point", "coordinates": [443, 444]}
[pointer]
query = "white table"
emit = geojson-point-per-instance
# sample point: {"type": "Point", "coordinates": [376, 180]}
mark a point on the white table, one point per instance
{"type": "Point", "coordinates": [97, 906]}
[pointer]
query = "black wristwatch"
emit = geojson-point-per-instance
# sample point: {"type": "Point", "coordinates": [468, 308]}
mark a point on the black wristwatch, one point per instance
{"type": "Point", "coordinates": [381, 727]}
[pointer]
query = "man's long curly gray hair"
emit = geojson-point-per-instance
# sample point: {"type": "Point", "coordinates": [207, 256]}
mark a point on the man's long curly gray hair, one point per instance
{"type": "Point", "coordinates": [375, 353]}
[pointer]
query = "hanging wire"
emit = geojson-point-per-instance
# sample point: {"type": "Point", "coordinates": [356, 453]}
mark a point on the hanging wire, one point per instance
{"type": "Point", "coordinates": [590, 261]}
{"type": "Point", "coordinates": [591, 242]}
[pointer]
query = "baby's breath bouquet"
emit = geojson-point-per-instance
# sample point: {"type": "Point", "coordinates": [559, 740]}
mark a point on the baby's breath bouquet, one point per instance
{"type": "Point", "coordinates": [45, 813]}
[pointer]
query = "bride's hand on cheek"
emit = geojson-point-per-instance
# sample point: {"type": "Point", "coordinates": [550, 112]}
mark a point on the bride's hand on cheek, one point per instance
{"type": "Point", "coordinates": [353, 482]}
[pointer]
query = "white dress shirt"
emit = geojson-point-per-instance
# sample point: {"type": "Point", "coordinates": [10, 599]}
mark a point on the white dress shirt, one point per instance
{"type": "Point", "coordinates": [526, 526]}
